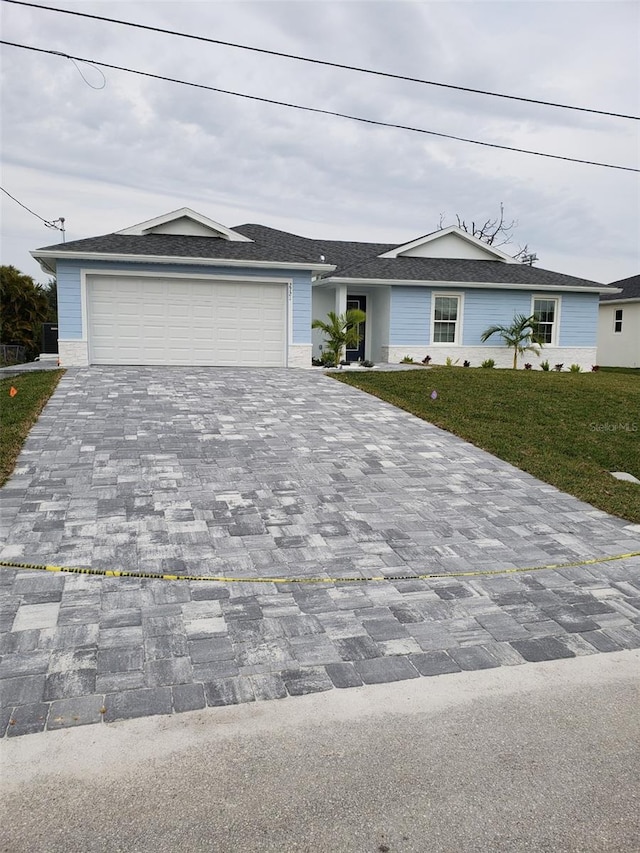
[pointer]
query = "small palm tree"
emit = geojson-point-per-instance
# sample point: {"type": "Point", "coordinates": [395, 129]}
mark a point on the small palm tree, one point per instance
{"type": "Point", "coordinates": [341, 330]}
{"type": "Point", "coordinates": [522, 335]}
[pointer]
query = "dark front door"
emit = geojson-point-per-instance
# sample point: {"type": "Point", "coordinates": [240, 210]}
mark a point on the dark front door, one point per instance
{"type": "Point", "coordinates": [357, 354]}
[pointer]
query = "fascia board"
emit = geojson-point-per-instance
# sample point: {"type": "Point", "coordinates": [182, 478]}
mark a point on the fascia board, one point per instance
{"type": "Point", "coordinates": [481, 285]}
{"type": "Point", "coordinates": [628, 300]}
{"type": "Point", "coordinates": [43, 257]}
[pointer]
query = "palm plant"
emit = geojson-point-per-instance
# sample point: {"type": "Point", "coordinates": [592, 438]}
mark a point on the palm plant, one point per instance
{"type": "Point", "coordinates": [341, 330]}
{"type": "Point", "coordinates": [522, 335]}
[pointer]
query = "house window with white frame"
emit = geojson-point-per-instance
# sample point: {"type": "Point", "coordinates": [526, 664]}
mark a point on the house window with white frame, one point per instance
{"type": "Point", "coordinates": [446, 319]}
{"type": "Point", "coordinates": [617, 321]}
{"type": "Point", "coordinates": [545, 312]}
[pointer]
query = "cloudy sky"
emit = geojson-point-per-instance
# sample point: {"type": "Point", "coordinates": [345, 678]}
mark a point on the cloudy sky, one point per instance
{"type": "Point", "coordinates": [111, 157]}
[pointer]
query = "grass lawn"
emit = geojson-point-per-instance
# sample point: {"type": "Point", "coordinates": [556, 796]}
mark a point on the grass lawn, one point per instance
{"type": "Point", "coordinates": [19, 413]}
{"type": "Point", "coordinates": [568, 429]}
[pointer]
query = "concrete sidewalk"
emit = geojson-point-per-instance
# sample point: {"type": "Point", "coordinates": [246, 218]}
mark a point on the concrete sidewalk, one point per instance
{"type": "Point", "coordinates": [278, 473]}
{"type": "Point", "coordinates": [522, 760]}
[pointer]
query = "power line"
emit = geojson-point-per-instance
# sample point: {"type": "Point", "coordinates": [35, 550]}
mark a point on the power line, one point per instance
{"type": "Point", "coordinates": [324, 62]}
{"type": "Point", "coordinates": [49, 223]}
{"type": "Point", "coordinates": [318, 110]}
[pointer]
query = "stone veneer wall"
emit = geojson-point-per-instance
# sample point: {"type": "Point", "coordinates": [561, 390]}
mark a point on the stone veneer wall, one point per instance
{"type": "Point", "coordinates": [73, 353]}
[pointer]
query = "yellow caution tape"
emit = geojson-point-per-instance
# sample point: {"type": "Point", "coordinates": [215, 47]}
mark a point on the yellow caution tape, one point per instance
{"type": "Point", "coordinates": [117, 573]}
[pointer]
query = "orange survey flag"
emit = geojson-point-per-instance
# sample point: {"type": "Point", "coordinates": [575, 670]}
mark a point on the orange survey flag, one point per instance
{"type": "Point", "coordinates": [13, 391]}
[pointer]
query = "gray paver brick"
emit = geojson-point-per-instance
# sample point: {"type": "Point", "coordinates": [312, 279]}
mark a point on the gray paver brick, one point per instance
{"type": "Point", "coordinates": [188, 697]}
{"type": "Point", "coordinates": [473, 657]}
{"type": "Point", "coordinates": [120, 659]}
{"type": "Point", "coordinates": [168, 671]}
{"type": "Point", "coordinates": [229, 691]}
{"type": "Point", "coordinates": [28, 719]}
{"type": "Point", "coordinates": [382, 670]}
{"type": "Point", "coordinates": [542, 648]}
{"type": "Point", "coordinates": [78, 711]}
{"type": "Point", "coordinates": [434, 663]}
{"type": "Point", "coordinates": [23, 690]}
{"type": "Point", "coordinates": [267, 686]}
{"type": "Point", "coordinates": [343, 675]}
{"type": "Point", "coordinates": [299, 682]}
{"type": "Point", "coordinates": [146, 702]}
{"type": "Point", "coordinates": [357, 648]}
{"type": "Point", "coordinates": [74, 682]}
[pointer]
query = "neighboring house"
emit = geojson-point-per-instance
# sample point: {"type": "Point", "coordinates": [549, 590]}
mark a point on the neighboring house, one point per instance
{"type": "Point", "coordinates": [619, 325]}
{"type": "Point", "coordinates": [182, 289]}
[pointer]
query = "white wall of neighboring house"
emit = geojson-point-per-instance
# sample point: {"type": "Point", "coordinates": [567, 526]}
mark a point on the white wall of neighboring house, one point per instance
{"type": "Point", "coordinates": [619, 349]}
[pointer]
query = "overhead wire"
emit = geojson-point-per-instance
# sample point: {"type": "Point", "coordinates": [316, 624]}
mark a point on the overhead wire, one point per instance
{"type": "Point", "coordinates": [318, 110]}
{"type": "Point", "coordinates": [50, 223]}
{"type": "Point", "coordinates": [325, 62]}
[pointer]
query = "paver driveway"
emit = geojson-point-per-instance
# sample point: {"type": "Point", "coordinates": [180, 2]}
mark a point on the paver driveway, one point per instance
{"type": "Point", "coordinates": [279, 473]}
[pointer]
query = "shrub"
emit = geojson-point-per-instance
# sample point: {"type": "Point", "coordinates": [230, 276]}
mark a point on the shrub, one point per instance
{"type": "Point", "coordinates": [575, 368]}
{"type": "Point", "coordinates": [466, 364]}
{"type": "Point", "coordinates": [366, 363]}
{"type": "Point", "coordinates": [528, 366]}
{"type": "Point", "coordinates": [328, 358]}
{"type": "Point", "coordinates": [426, 359]}
{"type": "Point", "coordinates": [544, 365]}
{"type": "Point", "coordinates": [558, 367]}
{"type": "Point", "coordinates": [407, 360]}
{"type": "Point", "coordinates": [595, 367]}
{"type": "Point", "coordinates": [450, 362]}
{"type": "Point", "coordinates": [488, 362]}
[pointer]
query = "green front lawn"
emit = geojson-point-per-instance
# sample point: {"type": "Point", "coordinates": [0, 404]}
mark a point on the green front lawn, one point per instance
{"type": "Point", "coordinates": [18, 413]}
{"type": "Point", "coordinates": [568, 429]}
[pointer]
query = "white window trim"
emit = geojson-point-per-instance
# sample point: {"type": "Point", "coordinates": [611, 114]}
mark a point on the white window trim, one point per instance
{"type": "Point", "coordinates": [555, 335]}
{"type": "Point", "coordinates": [616, 321]}
{"type": "Point", "coordinates": [458, 337]}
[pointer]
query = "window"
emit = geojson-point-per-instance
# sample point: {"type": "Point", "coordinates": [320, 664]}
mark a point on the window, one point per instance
{"type": "Point", "coordinates": [546, 312]}
{"type": "Point", "coordinates": [617, 320]}
{"type": "Point", "coordinates": [446, 313]}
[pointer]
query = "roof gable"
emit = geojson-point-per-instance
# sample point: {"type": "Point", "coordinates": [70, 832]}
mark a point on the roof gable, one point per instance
{"type": "Point", "coordinates": [450, 242]}
{"type": "Point", "coordinates": [185, 223]}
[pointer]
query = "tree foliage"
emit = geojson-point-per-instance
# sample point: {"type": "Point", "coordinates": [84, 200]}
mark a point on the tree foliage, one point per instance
{"type": "Point", "coordinates": [496, 232]}
{"type": "Point", "coordinates": [24, 308]}
{"type": "Point", "coordinates": [341, 330]}
{"type": "Point", "coordinates": [522, 335]}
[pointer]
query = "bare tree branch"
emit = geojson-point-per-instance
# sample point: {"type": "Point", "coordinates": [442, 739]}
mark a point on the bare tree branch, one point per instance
{"type": "Point", "coordinates": [495, 232]}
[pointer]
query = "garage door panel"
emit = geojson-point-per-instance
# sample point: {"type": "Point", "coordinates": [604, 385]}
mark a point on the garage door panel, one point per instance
{"type": "Point", "coordinates": [142, 320]}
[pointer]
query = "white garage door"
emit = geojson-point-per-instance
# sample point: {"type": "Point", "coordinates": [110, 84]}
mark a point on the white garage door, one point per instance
{"type": "Point", "coordinates": [144, 320]}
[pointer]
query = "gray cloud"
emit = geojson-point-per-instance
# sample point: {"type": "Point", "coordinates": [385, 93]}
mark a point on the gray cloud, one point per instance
{"type": "Point", "coordinates": [140, 147]}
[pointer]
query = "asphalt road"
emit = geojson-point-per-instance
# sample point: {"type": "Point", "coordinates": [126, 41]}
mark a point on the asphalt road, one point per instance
{"type": "Point", "coordinates": [542, 757]}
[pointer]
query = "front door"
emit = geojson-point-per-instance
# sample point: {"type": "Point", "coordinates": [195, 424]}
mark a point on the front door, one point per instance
{"type": "Point", "coordinates": [357, 353]}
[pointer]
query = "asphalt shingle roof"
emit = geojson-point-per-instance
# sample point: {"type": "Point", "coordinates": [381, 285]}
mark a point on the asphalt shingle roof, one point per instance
{"type": "Point", "coordinates": [352, 259]}
{"type": "Point", "coordinates": [630, 289]}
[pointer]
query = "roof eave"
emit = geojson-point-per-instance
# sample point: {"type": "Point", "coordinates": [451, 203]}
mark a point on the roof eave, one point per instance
{"type": "Point", "coordinates": [487, 285]}
{"type": "Point", "coordinates": [44, 257]}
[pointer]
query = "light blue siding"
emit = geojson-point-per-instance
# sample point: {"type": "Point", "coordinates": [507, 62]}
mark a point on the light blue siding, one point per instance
{"type": "Point", "coordinates": [69, 302]}
{"type": "Point", "coordinates": [579, 320]}
{"type": "Point", "coordinates": [484, 308]}
{"type": "Point", "coordinates": [410, 320]}
{"type": "Point", "coordinates": [69, 299]}
{"type": "Point", "coordinates": [301, 307]}
{"type": "Point", "coordinates": [410, 316]}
